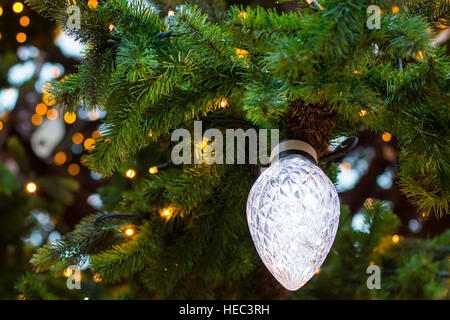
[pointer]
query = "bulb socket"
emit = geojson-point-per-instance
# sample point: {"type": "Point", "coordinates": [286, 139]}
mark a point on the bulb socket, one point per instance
{"type": "Point", "coordinates": [291, 146]}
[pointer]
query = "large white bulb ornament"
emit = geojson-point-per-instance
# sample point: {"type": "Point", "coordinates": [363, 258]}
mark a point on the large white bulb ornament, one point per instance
{"type": "Point", "coordinates": [293, 214]}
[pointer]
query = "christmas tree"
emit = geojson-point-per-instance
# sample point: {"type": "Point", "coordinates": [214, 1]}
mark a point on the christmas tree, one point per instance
{"type": "Point", "coordinates": [318, 72]}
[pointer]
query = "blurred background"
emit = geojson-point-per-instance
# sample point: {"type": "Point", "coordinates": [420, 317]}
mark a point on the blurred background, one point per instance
{"type": "Point", "coordinates": [45, 189]}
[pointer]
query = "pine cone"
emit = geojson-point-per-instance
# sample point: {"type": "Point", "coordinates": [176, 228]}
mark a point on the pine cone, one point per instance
{"type": "Point", "coordinates": [312, 123]}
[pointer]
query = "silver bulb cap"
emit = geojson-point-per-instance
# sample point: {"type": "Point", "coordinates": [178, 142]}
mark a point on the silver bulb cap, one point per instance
{"type": "Point", "coordinates": [291, 146]}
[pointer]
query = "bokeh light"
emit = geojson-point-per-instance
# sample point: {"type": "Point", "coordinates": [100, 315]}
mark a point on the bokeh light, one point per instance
{"type": "Point", "coordinates": [17, 7]}
{"type": "Point", "coordinates": [21, 37]}
{"type": "Point", "coordinates": [60, 158]}
{"type": "Point", "coordinates": [31, 187]}
{"type": "Point", "coordinates": [24, 21]}
{"type": "Point", "coordinates": [78, 138]}
{"type": "Point", "coordinates": [73, 169]}
{"type": "Point", "coordinates": [70, 117]}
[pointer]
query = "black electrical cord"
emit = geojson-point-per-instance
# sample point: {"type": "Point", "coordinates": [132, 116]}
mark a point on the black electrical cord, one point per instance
{"type": "Point", "coordinates": [345, 147]}
{"type": "Point", "coordinates": [115, 215]}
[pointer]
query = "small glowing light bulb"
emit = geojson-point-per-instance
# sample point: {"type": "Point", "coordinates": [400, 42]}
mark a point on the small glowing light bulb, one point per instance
{"type": "Point", "coordinates": [241, 53]}
{"type": "Point", "coordinates": [97, 277]}
{"type": "Point", "coordinates": [363, 113]}
{"type": "Point", "coordinates": [224, 103]}
{"type": "Point", "coordinates": [171, 13]}
{"type": "Point", "coordinates": [130, 174]}
{"type": "Point", "coordinates": [31, 187]}
{"type": "Point", "coordinates": [386, 137]}
{"type": "Point", "coordinates": [129, 232]}
{"type": "Point", "coordinates": [68, 272]}
{"type": "Point", "coordinates": [419, 55]}
{"type": "Point", "coordinates": [166, 213]}
{"type": "Point", "coordinates": [153, 170]}
{"type": "Point", "coordinates": [205, 143]}
{"type": "Point", "coordinates": [395, 238]}
{"type": "Point", "coordinates": [243, 15]}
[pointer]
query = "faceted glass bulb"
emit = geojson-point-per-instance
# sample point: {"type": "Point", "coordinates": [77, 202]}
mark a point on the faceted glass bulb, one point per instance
{"type": "Point", "coordinates": [293, 215]}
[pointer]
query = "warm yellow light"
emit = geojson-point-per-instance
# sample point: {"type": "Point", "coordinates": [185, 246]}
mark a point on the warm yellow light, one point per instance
{"type": "Point", "coordinates": [129, 232]}
{"type": "Point", "coordinates": [60, 158]}
{"type": "Point", "coordinates": [150, 133]}
{"type": "Point", "coordinates": [52, 114]}
{"type": "Point", "coordinates": [89, 144]}
{"type": "Point", "coordinates": [318, 271]}
{"type": "Point", "coordinates": [21, 297]}
{"type": "Point", "coordinates": [77, 138]}
{"type": "Point", "coordinates": [73, 169]}
{"type": "Point", "coordinates": [24, 21]}
{"type": "Point", "coordinates": [363, 113]}
{"type": "Point", "coordinates": [241, 53]}
{"type": "Point", "coordinates": [171, 13]}
{"type": "Point", "coordinates": [345, 166]}
{"type": "Point", "coordinates": [243, 15]}
{"type": "Point", "coordinates": [371, 263]}
{"type": "Point", "coordinates": [395, 9]}
{"type": "Point", "coordinates": [49, 99]}
{"type": "Point", "coordinates": [224, 103]}
{"type": "Point", "coordinates": [1, 125]}
{"type": "Point", "coordinates": [111, 27]}
{"type": "Point", "coordinates": [368, 203]}
{"type": "Point", "coordinates": [130, 174]}
{"type": "Point", "coordinates": [21, 37]}
{"type": "Point", "coordinates": [96, 134]}
{"type": "Point", "coordinates": [36, 120]}
{"type": "Point", "coordinates": [97, 277]}
{"type": "Point", "coordinates": [70, 117]}
{"type": "Point", "coordinates": [93, 4]}
{"type": "Point", "coordinates": [166, 213]}
{"type": "Point", "coordinates": [31, 187]}
{"type": "Point", "coordinates": [395, 238]}
{"type": "Point", "coordinates": [386, 137]}
{"type": "Point", "coordinates": [0, 36]}
{"type": "Point", "coordinates": [41, 109]}
{"type": "Point", "coordinates": [1, 11]}
{"type": "Point", "coordinates": [204, 143]}
{"type": "Point", "coordinates": [419, 55]}
{"type": "Point", "coordinates": [17, 7]}
{"type": "Point", "coordinates": [153, 170]}
{"type": "Point", "coordinates": [68, 272]}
